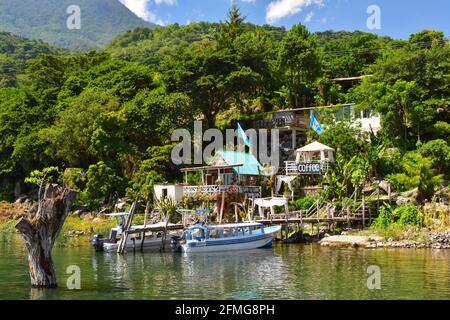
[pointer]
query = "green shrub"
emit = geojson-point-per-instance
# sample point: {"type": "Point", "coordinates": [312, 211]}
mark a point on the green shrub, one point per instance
{"type": "Point", "coordinates": [304, 203]}
{"type": "Point", "coordinates": [402, 215]}
{"type": "Point", "coordinates": [384, 218]}
{"type": "Point", "coordinates": [75, 178]}
{"type": "Point", "coordinates": [408, 215]}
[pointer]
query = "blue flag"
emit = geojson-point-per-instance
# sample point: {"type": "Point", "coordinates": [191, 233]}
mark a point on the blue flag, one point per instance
{"type": "Point", "coordinates": [243, 135]}
{"type": "Point", "coordinates": [315, 125]}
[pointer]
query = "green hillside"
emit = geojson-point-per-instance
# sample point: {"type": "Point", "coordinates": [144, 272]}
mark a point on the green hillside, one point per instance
{"type": "Point", "coordinates": [109, 115]}
{"type": "Point", "coordinates": [15, 51]}
{"type": "Point", "coordinates": [101, 21]}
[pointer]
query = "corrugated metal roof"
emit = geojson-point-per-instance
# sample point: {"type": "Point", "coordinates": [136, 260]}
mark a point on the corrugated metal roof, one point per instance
{"type": "Point", "coordinates": [250, 165]}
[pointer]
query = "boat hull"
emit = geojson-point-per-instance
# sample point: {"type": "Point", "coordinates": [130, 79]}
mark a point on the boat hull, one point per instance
{"type": "Point", "coordinates": [233, 244]}
{"type": "Point", "coordinates": [149, 245]}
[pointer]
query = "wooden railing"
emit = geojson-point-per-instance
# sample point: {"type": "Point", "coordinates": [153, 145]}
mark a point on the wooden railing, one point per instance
{"type": "Point", "coordinates": [249, 191]}
{"type": "Point", "coordinates": [281, 123]}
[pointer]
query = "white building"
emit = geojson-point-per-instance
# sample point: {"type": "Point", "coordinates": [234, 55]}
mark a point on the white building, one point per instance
{"type": "Point", "coordinates": [173, 191]}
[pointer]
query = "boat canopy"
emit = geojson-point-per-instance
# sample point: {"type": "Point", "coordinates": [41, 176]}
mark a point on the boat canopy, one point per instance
{"type": "Point", "coordinates": [117, 214]}
{"type": "Point", "coordinates": [150, 226]}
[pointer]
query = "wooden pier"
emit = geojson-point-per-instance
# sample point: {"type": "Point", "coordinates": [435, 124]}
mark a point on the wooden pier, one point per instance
{"type": "Point", "coordinates": [320, 214]}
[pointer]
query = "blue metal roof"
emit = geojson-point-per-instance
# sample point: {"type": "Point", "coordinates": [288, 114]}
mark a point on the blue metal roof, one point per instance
{"type": "Point", "coordinates": [250, 165]}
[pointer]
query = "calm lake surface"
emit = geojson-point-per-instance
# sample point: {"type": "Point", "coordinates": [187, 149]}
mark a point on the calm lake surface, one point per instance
{"type": "Point", "coordinates": [284, 272]}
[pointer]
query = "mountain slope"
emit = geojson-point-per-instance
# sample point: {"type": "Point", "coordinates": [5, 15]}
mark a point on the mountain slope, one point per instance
{"type": "Point", "coordinates": [101, 21]}
{"type": "Point", "coordinates": [15, 51]}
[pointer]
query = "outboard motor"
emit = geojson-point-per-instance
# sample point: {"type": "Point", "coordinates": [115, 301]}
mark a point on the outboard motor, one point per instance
{"type": "Point", "coordinates": [175, 243]}
{"type": "Point", "coordinates": [97, 242]}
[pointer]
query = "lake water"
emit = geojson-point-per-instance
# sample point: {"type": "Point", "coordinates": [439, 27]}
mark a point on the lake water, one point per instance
{"type": "Point", "coordinates": [284, 272]}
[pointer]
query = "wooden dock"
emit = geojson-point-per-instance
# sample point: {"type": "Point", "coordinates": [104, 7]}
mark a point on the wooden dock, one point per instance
{"type": "Point", "coordinates": [311, 220]}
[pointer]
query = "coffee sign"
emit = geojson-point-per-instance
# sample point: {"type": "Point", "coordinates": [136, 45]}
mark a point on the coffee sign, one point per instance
{"type": "Point", "coordinates": [309, 168]}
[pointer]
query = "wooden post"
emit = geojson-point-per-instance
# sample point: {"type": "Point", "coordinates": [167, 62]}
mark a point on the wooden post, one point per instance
{"type": "Point", "coordinates": [123, 240]}
{"type": "Point", "coordinates": [348, 218]}
{"type": "Point", "coordinates": [40, 228]}
{"type": "Point", "coordinates": [378, 198]}
{"type": "Point", "coordinates": [363, 210]}
{"type": "Point", "coordinates": [147, 209]}
{"type": "Point", "coordinates": [222, 207]}
{"type": "Point", "coordinates": [164, 237]}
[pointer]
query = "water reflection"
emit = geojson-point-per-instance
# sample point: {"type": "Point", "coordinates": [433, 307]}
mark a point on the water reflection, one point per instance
{"type": "Point", "coordinates": [284, 272]}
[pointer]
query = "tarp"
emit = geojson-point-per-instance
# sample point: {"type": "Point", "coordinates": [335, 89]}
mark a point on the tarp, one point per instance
{"type": "Point", "coordinates": [272, 202]}
{"type": "Point", "coordinates": [315, 147]}
{"type": "Point", "coordinates": [285, 179]}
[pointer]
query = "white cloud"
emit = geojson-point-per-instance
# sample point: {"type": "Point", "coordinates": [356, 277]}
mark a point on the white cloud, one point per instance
{"type": "Point", "coordinates": [140, 8]}
{"type": "Point", "coordinates": [309, 17]}
{"type": "Point", "coordinates": [279, 9]}
{"type": "Point", "coordinates": [167, 2]}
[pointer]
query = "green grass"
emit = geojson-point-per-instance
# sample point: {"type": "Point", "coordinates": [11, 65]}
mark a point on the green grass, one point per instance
{"type": "Point", "coordinates": [8, 226]}
{"type": "Point", "coordinates": [88, 227]}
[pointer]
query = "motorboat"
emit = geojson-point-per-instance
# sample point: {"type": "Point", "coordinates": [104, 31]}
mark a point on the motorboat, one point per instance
{"type": "Point", "coordinates": [150, 237]}
{"type": "Point", "coordinates": [202, 237]}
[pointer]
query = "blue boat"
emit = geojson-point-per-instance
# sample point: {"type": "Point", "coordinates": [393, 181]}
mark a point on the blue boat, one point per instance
{"type": "Point", "coordinates": [229, 237]}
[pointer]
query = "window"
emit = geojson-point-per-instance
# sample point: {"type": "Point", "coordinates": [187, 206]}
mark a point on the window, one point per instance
{"type": "Point", "coordinates": [165, 193]}
{"type": "Point", "coordinates": [366, 114]}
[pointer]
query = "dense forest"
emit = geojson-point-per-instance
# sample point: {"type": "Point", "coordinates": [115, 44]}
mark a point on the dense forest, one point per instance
{"type": "Point", "coordinates": [104, 119]}
{"type": "Point", "coordinates": [101, 21]}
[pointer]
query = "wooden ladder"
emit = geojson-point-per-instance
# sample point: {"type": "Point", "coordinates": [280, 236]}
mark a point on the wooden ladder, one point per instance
{"type": "Point", "coordinates": [124, 238]}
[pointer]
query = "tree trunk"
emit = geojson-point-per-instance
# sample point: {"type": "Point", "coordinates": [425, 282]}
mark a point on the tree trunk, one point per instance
{"type": "Point", "coordinates": [40, 227]}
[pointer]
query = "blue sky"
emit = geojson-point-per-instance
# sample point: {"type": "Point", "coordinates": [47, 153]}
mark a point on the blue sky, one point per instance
{"type": "Point", "coordinates": [398, 18]}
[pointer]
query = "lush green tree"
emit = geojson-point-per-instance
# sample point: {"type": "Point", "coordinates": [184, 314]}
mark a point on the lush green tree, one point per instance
{"type": "Point", "coordinates": [349, 54]}
{"type": "Point", "coordinates": [439, 152]}
{"type": "Point", "coordinates": [299, 61]}
{"type": "Point", "coordinates": [346, 138]}
{"type": "Point", "coordinates": [428, 39]}
{"type": "Point", "coordinates": [232, 28]}
{"type": "Point", "coordinates": [103, 182]}
{"type": "Point", "coordinates": [418, 172]}
{"type": "Point", "coordinates": [410, 90]}
{"type": "Point", "coordinates": [21, 117]}
{"type": "Point", "coordinates": [441, 130]}
{"type": "Point", "coordinates": [210, 76]}
{"type": "Point", "coordinates": [122, 79]}
{"type": "Point", "coordinates": [152, 117]}
{"type": "Point", "coordinates": [70, 137]}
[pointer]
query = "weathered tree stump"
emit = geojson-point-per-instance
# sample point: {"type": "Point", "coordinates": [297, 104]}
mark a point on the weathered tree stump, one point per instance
{"type": "Point", "coordinates": [40, 228]}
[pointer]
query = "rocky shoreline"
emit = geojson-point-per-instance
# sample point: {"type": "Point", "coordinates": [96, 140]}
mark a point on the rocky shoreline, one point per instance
{"type": "Point", "coordinates": [436, 240]}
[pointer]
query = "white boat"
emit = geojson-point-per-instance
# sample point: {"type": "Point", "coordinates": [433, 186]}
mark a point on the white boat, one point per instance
{"type": "Point", "coordinates": [153, 241]}
{"type": "Point", "coordinates": [227, 237]}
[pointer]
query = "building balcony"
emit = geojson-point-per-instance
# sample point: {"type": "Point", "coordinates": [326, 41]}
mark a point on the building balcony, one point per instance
{"type": "Point", "coordinates": [249, 191]}
{"type": "Point", "coordinates": [296, 122]}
